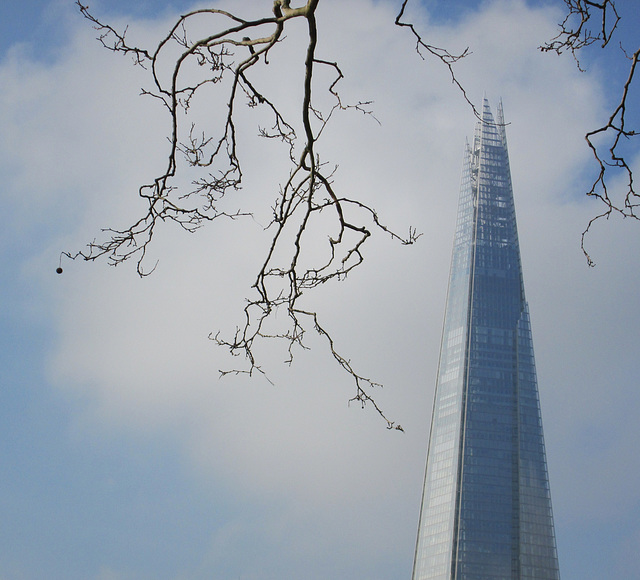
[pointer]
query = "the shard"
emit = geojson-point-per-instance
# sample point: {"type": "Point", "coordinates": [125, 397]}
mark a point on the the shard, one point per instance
{"type": "Point", "coordinates": [486, 508]}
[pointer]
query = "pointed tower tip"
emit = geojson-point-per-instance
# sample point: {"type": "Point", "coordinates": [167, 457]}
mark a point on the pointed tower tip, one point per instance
{"type": "Point", "coordinates": [486, 505]}
{"type": "Point", "coordinates": [486, 116]}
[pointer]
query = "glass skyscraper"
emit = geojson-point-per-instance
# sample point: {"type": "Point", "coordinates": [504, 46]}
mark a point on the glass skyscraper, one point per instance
{"type": "Point", "coordinates": [486, 509]}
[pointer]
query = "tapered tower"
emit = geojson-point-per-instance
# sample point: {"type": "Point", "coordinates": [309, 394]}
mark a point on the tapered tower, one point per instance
{"type": "Point", "coordinates": [486, 509]}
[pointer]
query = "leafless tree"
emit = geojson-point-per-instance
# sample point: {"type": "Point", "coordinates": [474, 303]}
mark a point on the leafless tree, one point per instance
{"type": "Point", "coordinates": [211, 49]}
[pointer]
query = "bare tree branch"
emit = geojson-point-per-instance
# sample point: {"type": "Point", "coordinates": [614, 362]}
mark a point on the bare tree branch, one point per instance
{"type": "Point", "coordinates": [306, 198]}
{"type": "Point", "coordinates": [442, 54]}
{"type": "Point", "coordinates": [606, 142]}
{"type": "Point", "coordinates": [616, 130]}
{"type": "Point", "coordinates": [575, 33]}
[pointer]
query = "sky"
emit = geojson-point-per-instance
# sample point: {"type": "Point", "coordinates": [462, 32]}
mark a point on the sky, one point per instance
{"type": "Point", "coordinates": [125, 456]}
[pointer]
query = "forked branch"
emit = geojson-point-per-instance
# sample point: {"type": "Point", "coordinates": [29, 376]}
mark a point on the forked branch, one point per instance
{"type": "Point", "coordinates": [608, 143]}
{"type": "Point", "coordinates": [447, 58]}
{"type": "Point", "coordinates": [185, 68]}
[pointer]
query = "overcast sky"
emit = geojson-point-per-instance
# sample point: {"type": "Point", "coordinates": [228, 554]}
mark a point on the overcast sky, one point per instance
{"type": "Point", "coordinates": [124, 455]}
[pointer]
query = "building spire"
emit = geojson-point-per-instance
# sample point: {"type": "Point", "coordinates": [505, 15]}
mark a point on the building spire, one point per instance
{"type": "Point", "coordinates": [486, 507]}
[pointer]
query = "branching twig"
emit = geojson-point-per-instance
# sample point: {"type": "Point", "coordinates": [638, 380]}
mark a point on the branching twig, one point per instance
{"type": "Point", "coordinates": [606, 142]}
{"type": "Point", "coordinates": [575, 33]}
{"type": "Point", "coordinates": [224, 61]}
{"type": "Point", "coordinates": [616, 129]}
{"type": "Point", "coordinates": [442, 54]}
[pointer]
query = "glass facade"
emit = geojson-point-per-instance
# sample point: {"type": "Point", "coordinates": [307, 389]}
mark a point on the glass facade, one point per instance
{"type": "Point", "coordinates": [486, 509]}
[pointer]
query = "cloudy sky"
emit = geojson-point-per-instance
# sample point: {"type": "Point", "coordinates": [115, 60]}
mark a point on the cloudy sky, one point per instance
{"type": "Point", "coordinates": [124, 456]}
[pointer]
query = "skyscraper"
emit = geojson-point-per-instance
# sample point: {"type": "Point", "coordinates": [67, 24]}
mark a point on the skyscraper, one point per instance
{"type": "Point", "coordinates": [486, 509]}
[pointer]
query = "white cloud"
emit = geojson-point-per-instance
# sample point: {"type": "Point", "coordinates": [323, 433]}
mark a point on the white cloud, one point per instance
{"type": "Point", "coordinates": [134, 352]}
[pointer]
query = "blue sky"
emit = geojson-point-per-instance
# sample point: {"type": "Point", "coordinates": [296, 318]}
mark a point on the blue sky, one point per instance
{"type": "Point", "coordinates": [126, 458]}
